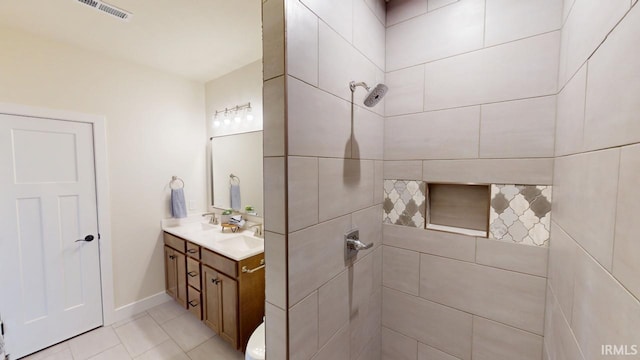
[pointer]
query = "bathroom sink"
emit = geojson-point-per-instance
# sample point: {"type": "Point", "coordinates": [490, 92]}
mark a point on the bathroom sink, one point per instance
{"type": "Point", "coordinates": [241, 244]}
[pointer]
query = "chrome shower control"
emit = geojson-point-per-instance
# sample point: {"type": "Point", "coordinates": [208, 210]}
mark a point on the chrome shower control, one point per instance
{"type": "Point", "coordinates": [353, 243]}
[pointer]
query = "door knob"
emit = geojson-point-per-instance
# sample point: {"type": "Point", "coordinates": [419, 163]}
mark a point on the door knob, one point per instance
{"type": "Point", "coordinates": [87, 238]}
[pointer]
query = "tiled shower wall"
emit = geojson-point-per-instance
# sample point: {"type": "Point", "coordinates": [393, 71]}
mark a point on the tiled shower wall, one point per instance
{"type": "Point", "coordinates": [323, 177]}
{"type": "Point", "coordinates": [472, 99]}
{"type": "Point", "coordinates": [594, 272]}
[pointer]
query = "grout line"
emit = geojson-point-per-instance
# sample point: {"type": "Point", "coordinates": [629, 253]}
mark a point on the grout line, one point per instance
{"type": "Point", "coordinates": [584, 109]}
{"type": "Point", "coordinates": [615, 212]}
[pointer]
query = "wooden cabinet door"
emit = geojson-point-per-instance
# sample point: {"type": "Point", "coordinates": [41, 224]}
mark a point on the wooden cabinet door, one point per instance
{"type": "Point", "coordinates": [170, 274]}
{"type": "Point", "coordinates": [211, 298]}
{"type": "Point", "coordinates": [181, 276]}
{"type": "Point", "coordinates": [228, 290]}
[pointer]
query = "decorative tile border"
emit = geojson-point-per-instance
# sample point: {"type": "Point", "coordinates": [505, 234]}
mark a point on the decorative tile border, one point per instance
{"type": "Point", "coordinates": [404, 203]}
{"type": "Point", "coordinates": [520, 214]}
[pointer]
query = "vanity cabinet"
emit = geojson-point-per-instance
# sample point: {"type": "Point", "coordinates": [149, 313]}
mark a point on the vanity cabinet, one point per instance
{"type": "Point", "coordinates": [175, 269]}
{"type": "Point", "coordinates": [227, 295]}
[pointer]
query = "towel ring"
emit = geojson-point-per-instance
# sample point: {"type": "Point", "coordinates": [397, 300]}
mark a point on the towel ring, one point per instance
{"type": "Point", "coordinates": [234, 180]}
{"type": "Point", "coordinates": [174, 182]}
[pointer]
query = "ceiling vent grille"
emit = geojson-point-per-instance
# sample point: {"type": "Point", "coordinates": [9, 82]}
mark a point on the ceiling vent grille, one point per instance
{"type": "Point", "coordinates": [107, 9]}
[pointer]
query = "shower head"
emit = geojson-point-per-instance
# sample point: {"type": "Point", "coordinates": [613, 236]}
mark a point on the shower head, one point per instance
{"type": "Point", "coordinates": [374, 96]}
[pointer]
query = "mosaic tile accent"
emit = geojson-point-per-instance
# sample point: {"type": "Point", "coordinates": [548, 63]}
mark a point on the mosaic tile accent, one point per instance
{"type": "Point", "coordinates": [404, 203]}
{"type": "Point", "coordinates": [520, 214]}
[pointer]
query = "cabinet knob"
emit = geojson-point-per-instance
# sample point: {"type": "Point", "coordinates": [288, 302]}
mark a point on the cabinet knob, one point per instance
{"type": "Point", "coordinates": [172, 257]}
{"type": "Point", "coordinates": [192, 273]}
{"type": "Point", "coordinates": [193, 303]}
{"type": "Point", "coordinates": [192, 251]}
{"type": "Point", "coordinates": [215, 281]}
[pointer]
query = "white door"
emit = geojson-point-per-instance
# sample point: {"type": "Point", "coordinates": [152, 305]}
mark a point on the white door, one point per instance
{"type": "Point", "coordinates": [50, 282]}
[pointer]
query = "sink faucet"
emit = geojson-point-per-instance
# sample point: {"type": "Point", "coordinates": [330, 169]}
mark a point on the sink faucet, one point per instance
{"type": "Point", "coordinates": [258, 232]}
{"type": "Point", "coordinates": [213, 220]}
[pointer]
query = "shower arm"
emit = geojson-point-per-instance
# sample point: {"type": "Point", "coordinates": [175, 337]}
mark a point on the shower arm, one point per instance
{"type": "Point", "coordinates": [353, 85]}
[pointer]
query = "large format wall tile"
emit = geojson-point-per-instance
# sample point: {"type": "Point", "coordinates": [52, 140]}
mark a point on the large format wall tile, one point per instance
{"type": "Point", "coordinates": [274, 189]}
{"type": "Point", "coordinates": [586, 27]}
{"type": "Point", "coordinates": [334, 306]}
{"type": "Point", "coordinates": [336, 348]}
{"type": "Point", "coordinates": [510, 256]}
{"type": "Point", "coordinates": [559, 341]}
{"type": "Point", "coordinates": [401, 10]}
{"type": "Point", "coordinates": [603, 311]}
{"type": "Point", "coordinates": [341, 63]}
{"type": "Point", "coordinates": [370, 226]}
{"type": "Point", "coordinates": [302, 43]}
{"type": "Point", "coordinates": [368, 134]}
{"type": "Point", "coordinates": [405, 170]}
{"type": "Point", "coordinates": [592, 176]}
{"type": "Point", "coordinates": [303, 192]}
{"type": "Point", "coordinates": [448, 134]}
{"type": "Point", "coordinates": [518, 129]}
{"type": "Point", "coordinates": [319, 123]}
{"type": "Point", "coordinates": [316, 255]}
{"type": "Point", "coordinates": [502, 171]}
{"type": "Point", "coordinates": [401, 269]}
{"type": "Point", "coordinates": [345, 186]}
{"type": "Point", "coordinates": [439, 243]}
{"type": "Point", "coordinates": [562, 260]}
{"type": "Point", "coordinates": [426, 352]}
{"type": "Point", "coordinates": [449, 330]}
{"type": "Point", "coordinates": [570, 115]}
{"type": "Point", "coordinates": [511, 298]}
{"type": "Point", "coordinates": [275, 331]}
{"type": "Point", "coordinates": [273, 117]}
{"type": "Point", "coordinates": [336, 13]}
{"type": "Point", "coordinates": [368, 33]}
{"type": "Point", "coordinates": [365, 325]}
{"type": "Point", "coordinates": [520, 214]}
{"type": "Point", "coordinates": [517, 70]}
{"type": "Point", "coordinates": [303, 327]}
{"type": "Point", "coordinates": [508, 20]}
{"type": "Point", "coordinates": [406, 93]}
{"type": "Point", "coordinates": [275, 251]}
{"type": "Point", "coordinates": [452, 30]}
{"type": "Point", "coordinates": [396, 346]}
{"type": "Point", "coordinates": [611, 117]}
{"type": "Point", "coordinates": [492, 340]}
{"type": "Point", "coordinates": [626, 266]}
{"type": "Point", "coordinates": [273, 38]}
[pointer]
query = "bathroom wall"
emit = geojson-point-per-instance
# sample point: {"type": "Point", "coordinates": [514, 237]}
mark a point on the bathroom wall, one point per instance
{"type": "Point", "coordinates": [472, 99]}
{"type": "Point", "coordinates": [155, 127]}
{"type": "Point", "coordinates": [323, 177]}
{"type": "Point", "coordinates": [594, 284]}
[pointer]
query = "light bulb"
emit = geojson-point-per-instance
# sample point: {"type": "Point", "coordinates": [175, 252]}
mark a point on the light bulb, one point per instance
{"type": "Point", "coordinates": [237, 119]}
{"type": "Point", "coordinates": [249, 117]}
{"type": "Point", "coordinates": [216, 123]}
{"type": "Point", "coordinates": [227, 121]}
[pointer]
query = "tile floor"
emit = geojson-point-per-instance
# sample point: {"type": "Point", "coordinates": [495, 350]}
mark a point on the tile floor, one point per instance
{"type": "Point", "coordinates": [166, 332]}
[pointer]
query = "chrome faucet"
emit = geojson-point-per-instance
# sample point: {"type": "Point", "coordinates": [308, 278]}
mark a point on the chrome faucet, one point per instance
{"type": "Point", "coordinates": [258, 232]}
{"type": "Point", "coordinates": [213, 220]}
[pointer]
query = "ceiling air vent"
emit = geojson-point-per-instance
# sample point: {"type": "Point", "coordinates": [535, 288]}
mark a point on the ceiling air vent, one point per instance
{"type": "Point", "coordinates": [108, 9]}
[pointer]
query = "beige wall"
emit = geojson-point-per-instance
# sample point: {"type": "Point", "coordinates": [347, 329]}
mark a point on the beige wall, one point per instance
{"type": "Point", "coordinates": [327, 177]}
{"type": "Point", "coordinates": [155, 129]}
{"type": "Point", "coordinates": [472, 98]}
{"type": "Point", "coordinates": [594, 282]}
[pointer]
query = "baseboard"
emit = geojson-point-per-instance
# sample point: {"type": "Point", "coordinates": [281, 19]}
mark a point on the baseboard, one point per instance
{"type": "Point", "coordinates": [136, 307]}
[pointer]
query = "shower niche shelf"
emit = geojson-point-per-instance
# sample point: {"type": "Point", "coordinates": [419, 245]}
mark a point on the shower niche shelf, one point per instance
{"type": "Point", "coordinates": [458, 208]}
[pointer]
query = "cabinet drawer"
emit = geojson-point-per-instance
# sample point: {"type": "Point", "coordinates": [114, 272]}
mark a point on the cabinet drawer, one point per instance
{"type": "Point", "coordinates": [193, 273]}
{"type": "Point", "coordinates": [193, 250]}
{"type": "Point", "coordinates": [174, 242]}
{"type": "Point", "coordinates": [195, 302]}
{"type": "Point", "coordinates": [219, 263]}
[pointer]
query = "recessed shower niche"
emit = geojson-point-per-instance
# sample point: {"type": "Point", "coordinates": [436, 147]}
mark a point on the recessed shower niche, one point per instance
{"type": "Point", "coordinates": [458, 208]}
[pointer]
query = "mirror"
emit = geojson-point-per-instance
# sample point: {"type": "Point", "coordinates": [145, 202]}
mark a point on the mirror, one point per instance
{"type": "Point", "coordinates": [240, 155]}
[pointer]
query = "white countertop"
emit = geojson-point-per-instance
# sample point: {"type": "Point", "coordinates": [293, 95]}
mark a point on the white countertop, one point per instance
{"type": "Point", "coordinates": [237, 246]}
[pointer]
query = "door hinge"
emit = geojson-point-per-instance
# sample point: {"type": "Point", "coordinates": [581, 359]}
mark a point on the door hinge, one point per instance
{"type": "Point", "coordinates": [98, 236]}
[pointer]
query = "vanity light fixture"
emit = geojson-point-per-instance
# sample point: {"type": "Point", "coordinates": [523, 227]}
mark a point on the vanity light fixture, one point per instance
{"type": "Point", "coordinates": [236, 111]}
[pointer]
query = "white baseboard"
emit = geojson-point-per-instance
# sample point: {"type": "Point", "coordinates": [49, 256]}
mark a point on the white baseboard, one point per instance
{"type": "Point", "coordinates": [134, 308]}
